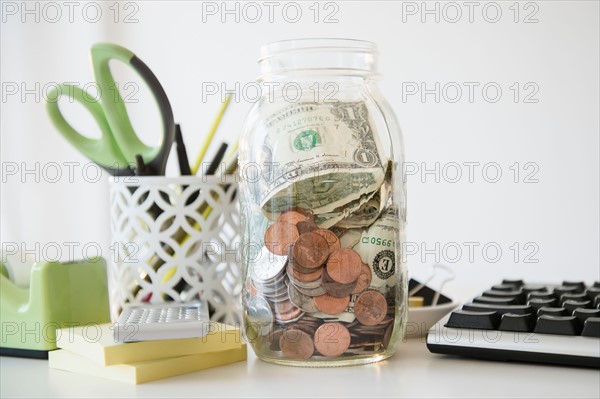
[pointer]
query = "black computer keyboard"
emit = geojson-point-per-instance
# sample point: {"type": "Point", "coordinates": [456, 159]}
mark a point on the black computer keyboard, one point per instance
{"type": "Point", "coordinates": [525, 322]}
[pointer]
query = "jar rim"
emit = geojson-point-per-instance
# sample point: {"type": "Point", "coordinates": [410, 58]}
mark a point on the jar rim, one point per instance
{"type": "Point", "coordinates": [310, 44]}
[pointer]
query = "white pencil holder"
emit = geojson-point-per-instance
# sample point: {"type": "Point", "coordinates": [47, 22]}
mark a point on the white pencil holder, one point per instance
{"type": "Point", "coordinates": [176, 239]}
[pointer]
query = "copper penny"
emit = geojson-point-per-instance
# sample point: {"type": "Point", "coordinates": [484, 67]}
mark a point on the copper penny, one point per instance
{"type": "Point", "coordinates": [311, 250]}
{"type": "Point", "coordinates": [370, 308]}
{"type": "Point", "coordinates": [307, 226]}
{"type": "Point", "coordinates": [331, 305]}
{"type": "Point", "coordinates": [279, 236]}
{"type": "Point", "coordinates": [296, 344]}
{"type": "Point", "coordinates": [343, 266]}
{"type": "Point", "coordinates": [292, 217]}
{"type": "Point", "coordinates": [289, 317]}
{"type": "Point", "coordinates": [364, 279]}
{"type": "Point", "coordinates": [313, 275]}
{"type": "Point", "coordinates": [306, 212]}
{"type": "Point", "coordinates": [331, 238]}
{"type": "Point", "coordinates": [332, 339]}
{"type": "Point", "coordinates": [336, 289]}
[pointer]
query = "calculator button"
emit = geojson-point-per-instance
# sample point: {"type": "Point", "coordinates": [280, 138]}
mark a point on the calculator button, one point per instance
{"type": "Point", "coordinates": [563, 325]}
{"type": "Point", "coordinates": [517, 322]}
{"type": "Point", "coordinates": [476, 320]}
{"type": "Point", "coordinates": [500, 309]}
{"type": "Point", "coordinates": [591, 328]}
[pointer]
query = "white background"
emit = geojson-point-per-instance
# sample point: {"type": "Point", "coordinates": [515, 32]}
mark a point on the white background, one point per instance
{"type": "Point", "coordinates": [558, 134]}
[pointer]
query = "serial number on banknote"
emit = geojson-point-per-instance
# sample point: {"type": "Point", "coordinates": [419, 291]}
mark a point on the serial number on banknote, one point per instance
{"type": "Point", "coordinates": [377, 241]}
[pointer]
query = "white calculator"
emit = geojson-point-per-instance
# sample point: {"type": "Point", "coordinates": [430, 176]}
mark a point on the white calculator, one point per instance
{"type": "Point", "coordinates": [147, 322]}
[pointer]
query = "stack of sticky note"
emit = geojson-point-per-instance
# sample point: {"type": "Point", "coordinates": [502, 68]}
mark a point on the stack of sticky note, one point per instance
{"type": "Point", "coordinates": [92, 350]}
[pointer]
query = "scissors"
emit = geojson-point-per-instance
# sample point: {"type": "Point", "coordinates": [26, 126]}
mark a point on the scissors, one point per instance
{"type": "Point", "coordinates": [119, 147]}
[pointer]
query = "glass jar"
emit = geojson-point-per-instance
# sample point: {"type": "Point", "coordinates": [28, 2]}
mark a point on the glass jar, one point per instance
{"type": "Point", "coordinates": [323, 208]}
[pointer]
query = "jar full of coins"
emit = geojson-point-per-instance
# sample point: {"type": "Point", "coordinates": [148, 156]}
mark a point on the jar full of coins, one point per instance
{"type": "Point", "coordinates": [323, 208]}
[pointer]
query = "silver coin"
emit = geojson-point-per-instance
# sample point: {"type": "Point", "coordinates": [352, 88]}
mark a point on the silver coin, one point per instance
{"type": "Point", "coordinates": [267, 266]}
{"type": "Point", "coordinates": [259, 314]}
{"type": "Point", "coordinates": [307, 286]}
{"type": "Point", "coordinates": [312, 292]}
{"type": "Point", "coordinates": [301, 300]}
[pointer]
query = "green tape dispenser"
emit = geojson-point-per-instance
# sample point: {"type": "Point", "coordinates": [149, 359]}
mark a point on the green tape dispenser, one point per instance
{"type": "Point", "coordinates": [59, 295]}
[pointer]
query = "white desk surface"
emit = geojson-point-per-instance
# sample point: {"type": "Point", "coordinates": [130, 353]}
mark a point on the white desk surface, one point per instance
{"type": "Point", "coordinates": [411, 372]}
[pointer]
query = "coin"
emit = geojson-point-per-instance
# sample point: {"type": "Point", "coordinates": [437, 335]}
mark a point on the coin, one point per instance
{"type": "Point", "coordinates": [332, 339]}
{"type": "Point", "coordinates": [306, 212]}
{"type": "Point", "coordinates": [267, 266]}
{"type": "Point", "coordinates": [370, 308]}
{"type": "Point", "coordinates": [311, 291]}
{"type": "Point", "coordinates": [259, 315]}
{"type": "Point", "coordinates": [336, 289]}
{"type": "Point", "coordinates": [290, 317]}
{"type": "Point", "coordinates": [364, 279]}
{"type": "Point", "coordinates": [296, 344]}
{"type": "Point", "coordinates": [331, 305]}
{"type": "Point", "coordinates": [331, 238]}
{"type": "Point", "coordinates": [307, 226]}
{"type": "Point", "coordinates": [310, 250]}
{"type": "Point", "coordinates": [343, 266]}
{"type": "Point", "coordinates": [296, 275]}
{"type": "Point", "coordinates": [279, 236]}
{"type": "Point", "coordinates": [304, 302]}
{"type": "Point", "coordinates": [292, 217]}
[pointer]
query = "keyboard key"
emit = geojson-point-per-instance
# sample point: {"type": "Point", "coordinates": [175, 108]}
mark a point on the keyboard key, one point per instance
{"type": "Point", "coordinates": [591, 328]}
{"type": "Point", "coordinates": [553, 311]}
{"type": "Point", "coordinates": [503, 287]}
{"type": "Point", "coordinates": [597, 302]}
{"type": "Point", "coordinates": [516, 295]}
{"type": "Point", "coordinates": [571, 305]}
{"type": "Point", "coordinates": [495, 301]}
{"type": "Point", "coordinates": [540, 295]}
{"type": "Point", "coordinates": [526, 289]}
{"type": "Point", "coordinates": [517, 322]}
{"type": "Point", "coordinates": [540, 303]}
{"type": "Point", "coordinates": [580, 296]}
{"type": "Point", "coordinates": [476, 320]}
{"type": "Point", "coordinates": [583, 314]}
{"type": "Point", "coordinates": [500, 309]}
{"type": "Point", "coordinates": [558, 291]}
{"type": "Point", "coordinates": [563, 325]}
{"type": "Point", "coordinates": [596, 284]}
{"type": "Point", "coordinates": [592, 293]}
{"type": "Point", "coordinates": [516, 283]}
{"type": "Point", "coordinates": [579, 284]}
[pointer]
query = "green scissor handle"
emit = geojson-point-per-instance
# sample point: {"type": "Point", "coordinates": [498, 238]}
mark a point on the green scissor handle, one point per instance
{"type": "Point", "coordinates": [104, 151]}
{"type": "Point", "coordinates": [121, 145]}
